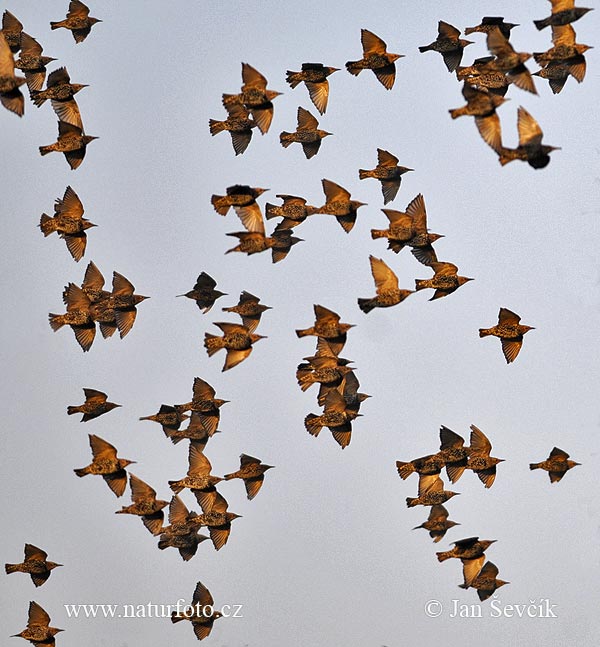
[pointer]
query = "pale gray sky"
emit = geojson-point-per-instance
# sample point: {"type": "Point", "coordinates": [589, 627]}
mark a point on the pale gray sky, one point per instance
{"type": "Point", "coordinates": [325, 554]}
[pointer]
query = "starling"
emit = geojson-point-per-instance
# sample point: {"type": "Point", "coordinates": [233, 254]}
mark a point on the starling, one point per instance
{"type": "Point", "coordinates": [124, 303]}
{"type": "Point", "coordinates": [376, 58]}
{"type": "Point", "coordinates": [251, 472]}
{"type": "Point", "coordinates": [181, 533]}
{"type": "Point", "coordinates": [387, 172]}
{"type": "Point", "coordinates": [327, 325]}
{"type": "Point", "coordinates": [71, 141]}
{"type": "Point", "coordinates": [483, 75]}
{"type": "Point", "coordinates": [168, 417]}
{"type": "Point", "coordinates": [77, 316]}
{"type": "Point", "coordinates": [314, 75]}
{"type": "Point", "coordinates": [204, 293]}
{"type": "Point", "coordinates": [186, 544]}
{"type": "Point", "coordinates": [204, 405]}
{"type": "Point", "coordinates": [325, 371]}
{"type": "Point", "coordinates": [486, 582]}
{"type": "Point", "coordinates": [255, 97]}
{"type": "Point", "coordinates": [557, 464]}
{"type": "Point", "coordinates": [338, 204]}
{"type": "Point", "coordinates": [431, 492]}
{"type": "Point", "coordinates": [509, 61]}
{"type": "Point", "coordinates": [194, 431]}
{"type": "Point", "coordinates": [12, 28]}
{"type": "Point", "coordinates": [238, 124]}
{"type": "Point", "coordinates": [145, 505]}
{"type": "Point", "coordinates": [480, 460]}
{"type": "Point", "coordinates": [36, 564]}
{"type": "Point", "coordinates": [437, 522]}
{"type": "Point", "coordinates": [254, 242]}
{"type": "Point", "coordinates": [236, 339]}
{"type": "Point", "coordinates": [307, 133]}
{"type": "Point", "coordinates": [564, 12]}
{"type": "Point", "coordinates": [243, 199]}
{"type": "Point", "coordinates": [349, 390]}
{"type": "Point", "coordinates": [78, 21]}
{"type": "Point", "coordinates": [448, 44]}
{"type": "Point", "coordinates": [453, 452]}
{"type": "Point", "coordinates": [336, 417]}
{"type": "Point", "coordinates": [386, 284]}
{"type": "Point", "coordinates": [69, 223]}
{"type": "Point", "coordinates": [198, 479]}
{"type": "Point", "coordinates": [61, 93]}
{"type": "Point", "coordinates": [490, 22]}
{"type": "Point", "coordinates": [249, 309]}
{"type": "Point", "coordinates": [32, 63]}
{"type": "Point", "coordinates": [466, 549]}
{"type": "Point", "coordinates": [510, 332]}
{"type": "Point", "coordinates": [425, 466]}
{"type": "Point", "coordinates": [444, 281]}
{"type": "Point", "coordinates": [38, 631]}
{"type": "Point", "coordinates": [482, 105]}
{"type": "Point", "coordinates": [203, 612]}
{"type": "Point", "coordinates": [294, 211]}
{"type": "Point", "coordinates": [216, 518]}
{"type": "Point", "coordinates": [93, 283]}
{"type": "Point", "coordinates": [565, 48]}
{"type": "Point", "coordinates": [95, 405]}
{"type": "Point", "coordinates": [10, 95]}
{"type": "Point", "coordinates": [106, 464]}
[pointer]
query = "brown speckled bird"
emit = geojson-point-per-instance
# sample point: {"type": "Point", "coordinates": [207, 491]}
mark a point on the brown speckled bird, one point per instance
{"type": "Point", "coordinates": [243, 200]}
{"type": "Point", "coordinates": [36, 564]}
{"type": "Point", "coordinates": [202, 615]}
{"type": "Point", "coordinates": [204, 292]}
{"type": "Point", "coordinates": [198, 478]}
{"type": "Point", "coordinates": [78, 21]}
{"type": "Point", "coordinates": [557, 464]}
{"type": "Point", "coordinates": [471, 552]}
{"type": "Point", "coordinates": [10, 96]}
{"type": "Point", "coordinates": [238, 124]}
{"type": "Point", "coordinates": [509, 61]}
{"type": "Point", "coordinates": [376, 58]}
{"type": "Point", "coordinates": [453, 452]}
{"type": "Point", "coordinates": [205, 405]}
{"type": "Point", "coordinates": [32, 63]}
{"type": "Point", "coordinates": [564, 12]}
{"type": "Point", "coordinates": [339, 205]}
{"type": "Point", "coordinates": [38, 631]}
{"type": "Point", "coordinates": [72, 142]}
{"type": "Point", "coordinates": [236, 339]}
{"type": "Point", "coordinates": [216, 518]}
{"type": "Point", "coordinates": [181, 533]}
{"type": "Point", "coordinates": [431, 492]}
{"type": "Point", "coordinates": [293, 211]}
{"type": "Point", "coordinates": [437, 523]}
{"type": "Point", "coordinates": [424, 465]}
{"type": "Point", "coordinates": [61, 93]}
{"type": "Point", "coordinates": [327, 325]}
{"type": "Point", "coordinates": [328, 372]}
{"type": "Point", "coordinates": [307, 133]}
{"type": "Point", "coordinates": [490, 22]}
{"type": "Point", "coordinates": [479, 460]}
{"type": "Point", "coordinates": [95, 405]}
{"type": "Point", "coordinates": [510, 331]}
{"type": "Point", "coordinates": [250, 310]}
{"type": "Point", "coordinates": [194, 431]}
{"type": "Point", "coordinates": [168, 417]}
{"type": "Point", "coordinates": [444, 281]}
{"type": "Point", "coordinates": [11, 29]}
{"type": "Point", "coordinates": [251, 472]}
{"type": "Point", "coordinates": [105, 463]}
{"type": "Point", "coordinates": [145, 505]}
{"type": "Point", "coordinates": [337, 417]}
{"type": "Point", "coordinates": [386, 284]}
{"type": "Point", "coordinates": [483, 75]}
{"type": "Point", "coordinates": [387, 172]}
{"type": "Point", "coordinates": [77, 317]}
{"type": "Point", "coordinates": [486, 582]}
{"type": "Point", "coordinates": [449, 44]}
{"type": "Point", "coordinates": [314, 75]}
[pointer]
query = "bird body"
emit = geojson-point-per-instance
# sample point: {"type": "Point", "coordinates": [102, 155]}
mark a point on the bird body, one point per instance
{"type": "Point", "coordinates": [510, 331]}
{"type": "Point", "coordinates": [339, 204]}
{"type": "Point", "coordinates": [238, 124]}
{"type": "Point", "coordinates": [444, 281]}
{"type": "Point", "coordinates": [38, 631]}
{"type": "Point", "coordinates": [78, 21]}
{"type": "Point", "coordinates": [564, 12]}
{"type": "Point", "coordinates": [388, 172]}
{"type": "Point", "coordinates": [36, 564]}
{"type": "Point", "coordinates": [386, 284]}
{"type": "Point", "coordinates": [308, 134]}
{"type": "Point", "coordinates": [71, 141]}
{"type": "Point", "coordinates": [431, 492]}
{"type": "Point", "coordinates": [236, 339]}
{"type": "Point", "coordinates": [486, 582]}
{"type": "Point", "coordinates": [437, 523]}
{"type": "Point", "coordinates": [95, 405]}
{"type": "Point", "coordinates": [557, 464]}
{"type": "Point", "coordinates": [203, 613]}
{"type": "Point", "coordinates": [314, 76]}
{"type": "Point", "coordinates": [376, 58]}
{"type": "Point", "coordinates": [449, 44]}
{"type": "Point", "coordinates": [105, 463]}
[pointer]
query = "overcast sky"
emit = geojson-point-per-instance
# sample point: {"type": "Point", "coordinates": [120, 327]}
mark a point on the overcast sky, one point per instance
{"type": "Point", "coordinates": [324, 555]}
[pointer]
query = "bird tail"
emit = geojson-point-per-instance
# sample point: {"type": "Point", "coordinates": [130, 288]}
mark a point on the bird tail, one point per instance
{"type": "Point", "coordinates": [46, 224]}
{"type": "Point", "coordinates": [215, 126]}
{"type": "Point", "coordinates": [303, 333]}
{"type": "Point", "coordinates": [271, 211]}
{"type": "Point", "coordinates": [37, 97]}
{"type": "Point", "coordinates": [303, 377]}
{"type": "Point", "coordinates": [11, 568]}
{"type": "Point", "coordinates": [443, 556]}
{"type": "Point", "coordinates": [212, 343]}
{"type": "Point", "coordinates": [424, 48]}
{"type": "Point", "coordinates": [366, 305]}
{"type": "Point", "coordinates": [411, 503]}
{"type": "Point", "coordinates": [469, 30]}
{"type": "Point", "coordinates": [313, 426]}
{"type": "Point", "coordinates": [541, 24]}
{"type": "Point", "coordinates": [362, 174]}
{"type": "Point", "coordinates": [404, 470]}
{"type": "Point", "coordinates": [293, 79]}
{"type": "Point", "coordinates": [352, 68]}
{"type": "Point", "coordinates": [175, 617]}
{"type": "Point", "coordinates": [456, 112]}
{"type": "Point", "coordinates": [219, 208]}
{"type": "Point", "coordinates": [484, 332]}
{"type": "Point", "coordinates": [82, 471]}
{"type": "Point", "coordinates": [285, 139]}
{"type": "Point", "coordinates": [176, 488]}
{"type": "Point", "coordinates": [534, 466]}
{"type": "Point", "coordinates": [44, 150]}
{"type": "Point", "coordinates": [55, 25]}
{"type": "Point", "coordinates": [228, 477]}
{"type": "Point", "coordinates": [421, 284]}
{"type": "Point", "coordinates": [56, 322]}
{"type": "Point", "coordinates": [72, 410]}
{"type": "Point", "coordinates": [378, 233]}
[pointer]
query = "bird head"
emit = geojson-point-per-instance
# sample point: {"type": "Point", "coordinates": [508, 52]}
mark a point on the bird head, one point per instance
{"type": "Point", "coordinates": [75, 87]}
{"type": "Point", "coordinates": [463, 279]}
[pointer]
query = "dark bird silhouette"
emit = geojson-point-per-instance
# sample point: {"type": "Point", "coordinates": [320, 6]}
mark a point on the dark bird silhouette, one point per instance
{"type": "Point", "coordinates": [490, 22]}
{"type": "Point", "coordinates": [293, 211]}
{"type": "Point", "coordinates": [203, 613]}
{"type": "Point", "coordinates": [557, 464]}
{"type": "Point", "coordinates": [72, 142]}
{"type": "Point", "coordinates": [32, 63]}
{"type": "Point", "coordinates": [168, 417]}
{"type": "Point", "coordinates": [38, 631]}
{"type": "Point", "coordinates": [95, 405]}
{"type": "Point", "coordinates": [510, 331]}
{"type": "Point", "coordinates": [314, 76]}
{"type": "Point", "coordinates": [480, 460]}
{"type": "Point", "coordinates": [444, 281]}
{"type": "Point", "coordinates": [105, 463]}
{"type": "Point", "coordinates": [564, 12]}
{"type": "Point", "coordinates": [78, 21]}
{"type": "Point", "coordinates": [386, 285]}
{"type": "Point", "coordinates": [145, 505]}
{"type": "Point", "coordinates": [250, 310]}
{"type": "Point", "coordinates": [12, 28]}
{"type": "Point", "coordinates": [327, 325]}
{"type": "Point", "coordinates": [216, 518]}
{"type": "Point", "coordinates": [205, 405]}
{"type": "Point", "coordinates": [181, 533]}
{"type": "Point", "coordinates": [10, 96]}
{"type": "Point", "coordinates": [437, 522]}
{"type": "Point", "coordinates": [530, 149]}
{"type": "Point", "coordinates": [237, 341]}
{"type": "Point", "coordinates": [61, 93]}
{"type": "Point", "coordinates": [77, 317]}
{"type": "Point", "coordinates": [36, 564]}
{"type": "Point", "coordinates": [424, 466]}
{"type": "Point", "coordinates": [251, 472]}
{"type": "Point", "coordinates": [376, 58]}
{"type": "Point", "coordinates": [449, 44]}
{"type": "Point", "coordinates": [387, 172]}
{"type": "Point", "coordinates": [198, 479]}
{"type": "Point", "coordinates": [431, 492]}
{"type": "Point", "coordinates": [255, 97]}
{"type": "Point", "coordinates": [482, 105]}
{"type": "Point", "coordinates": [238, 124]}
{"type": "Point", "coordinates": [486, 582]}
{"type": "Point", "coordinates": [204, 292]}
{"type": "Point", "coordinates": [307, 133]}
{"type": "Point", "coordinates": [336, 417]}
{"type": "Point", "coordinates": [69, 223]}
{"type": "Point", "coordinates": [453, 452]}
{"type": "Point", "coordinates": [338, 204]}
{"type": "Point", "coordinates": [509, 61]}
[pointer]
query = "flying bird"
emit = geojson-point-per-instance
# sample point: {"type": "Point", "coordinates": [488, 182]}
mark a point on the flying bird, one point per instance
{"type": "Point", "coordinates": [250, 310]}
{"type": "Point", "coordinates": [12, 28]}
{"type": "Point", "coordinates": [314, 76]}
{"type": "Point", "coordinates": [336, 417]}
{"type": "Point", "coordinates": [105, 463]}
{"type": "Point", "coordinates": [36, 564]}
{"type": "Point", "coordinates": [38, 631]}
{"type": "Point", "coordinates": [252, 472]}
{"type": "Point", "coordinates": [339, 205]}
{"type": "Point", "coordinates": [453, 452]}
{"type": "Point", "coordinates": [204, 292]}
{"type": "Point", "coordinates": [509, 61]}
{"type": "Point", "coordinates": [486, 582]}
{"type": "Point", "coordinates": [387, 172]}
{"type": "Point", "coordinates": [386, 284]}
{"type": "Point", "coordinates": [327, 325]}
{"type": "Point", "coordinates": [307, 133]}
{"type": "Point", "coordinates": [205, 405]}
{"type": "Point", "coordinates": [243, 199]}
{"type": "Point", "coordinates": [564, 12]}
{"type": "Point", "coordinates": [490, 22]}
{"type": "Point", "coordinates": [444, 281]}
{"type": "Point", "coordinates": [10, 96]}
{"type": "Point", "coordinates": [236, 339]}
{"type": "Point", "coordinates": [32, 63]}
{"type": "Point", "coordinates": [78, 21]}
{"type": "Point", "coordinates": [293, 211]}
{"type": "Point", "coordinates": [181, 533]}
{"type": "Point", "coordinates": [510, 331]}
{"type": "Point", "coordinates": [449, 44]}
{"type": "Point", "coordinates": [437, 522]}
{"type": "Point", "coordinates": [95, 405]}
{"type": "Point", "coordinates": [557, 464]}
{"type": "Point", "coordinates": [145, 505]}
{"type": "Point", "coordinates": [424, 466]}
{"type": "Point", "coordinates": [61, 93]}
{"type": "Point", "coordinates": [168, 417]}
{"type": "Point", "coordinates": [431, 492]}
{"type": "Point", "coordinates": [216, 517]}
{"type": "Point", "coordinates": [479, 460]}
{"type": "Point", "coordinates": [483, 75]}
{"type": "Point", "coordinates": [376, 58]}
{"type": "Point", "coordinates": [71, 141]}
{"type": "Point", "coordinates": [203, 613]}
{"type": "Point", "coordinates": [238, 124]}
{"type": "Point", "coordinates": [77, 317]}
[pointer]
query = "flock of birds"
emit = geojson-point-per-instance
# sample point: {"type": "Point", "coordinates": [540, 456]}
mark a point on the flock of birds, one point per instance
{"type": "Point", "coordinates": [485, 83]}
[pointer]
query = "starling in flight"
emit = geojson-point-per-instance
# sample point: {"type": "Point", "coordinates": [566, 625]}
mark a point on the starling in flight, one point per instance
{"type": "Point", "coordinates": [564, 12]}
{"type": "Point", "coordinates": [32, 63]}
{"type": "Point", "coordinates": [314, 75]}
{"type": "Point", "coordinates": [203, 612]}
{"type": "Point", "coordinates": [204, 405]}
{"type": "Point", "coordinates": [243, 199]}
{"type": "Point", "coordinates": [480, 460]}
{"type": "Point", "coordinates": [449, 44]}
{"type": "Point", "coordinates": [38, 631]}
{"type": "Point", "coordinates": [249, 309]}
{"type": "Point", "coordinates": [453, 452]}
{"type": "Point", "coordinates": [10, 95]}
{"type": "Point", "coordinates": [307, 133]}
{"type": "Point", "coordinates": [181, 533]}
{"type": "Point", "coordinates": [293, 211]}
{"type": "Point", "coordinates": [168, 417]}
{"type": "Point", "coordinates": [466, 549]}
{"type": "Point", "coordinates": [387, 172]}
{"type": "Point", "coordinates": [78, 21]}
{"type": "Point", "coordinates": [437, 523]}
{"type": "Point", "coordinates": [238, 124]}
{"type": "Point", "coordinates": [386, 284]}
{"type": "Point", "coordinates": [236, 339]}
{"type": "Point", "coordinates": [216, 518]}
{"type": "Point", "coordinates": [12, 28]}
{"type": "Point", "coordinates": [198, 479]}
{"type": "Point", "coordinates": [251, 472]}
{"type": "Point", "coordinates": [490, 22]}
{"type": "Point", "coordinates": [336, 417]}
{"type": "Point", "coordinates": [444, 281]}
{"type": "Point", "coordinates": [425, 466]}
{"type": "Point", "coordinates": [431, 492]}
{"type": "Point", "coordinates": [145, 505]}
{"type": "Point", "coordinates": [204, 292]}
{"type": "Point", "coordinates": [95, 405]}
{"type": "Point", "coordinates": [338, 204]}
{"type": "Point", "coordinates": [36, 564]}
{"type": "Point", "coordinates": [376, 58]}
{"type": "Point", "coordinates": [77, 316]}
{"type": "Point", "coordinates": [327, 325]}
{"type": "Point", "coordinates": [509, 61]}
{"type": "Point", "coordinates": [486, 582]}
{"type": "Point", "coordinates": [483, 75]}
{"type": "Point", "coordinates": [510, 331]}
{"type": "Point", "coordinates": [61, 93]}
{"type": "Point", "coordinates": [557, 464]}
{"type": "Point", "coordinates": [106, 464]}
{"type": "Point", "coordinates": [71, 141]}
